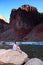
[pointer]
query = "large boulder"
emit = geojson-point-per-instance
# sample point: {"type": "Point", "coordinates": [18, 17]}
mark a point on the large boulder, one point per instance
{"type": "Point", "coordinates": [34, 61]}
{"type": "Point", "coordinates": [11, 57]}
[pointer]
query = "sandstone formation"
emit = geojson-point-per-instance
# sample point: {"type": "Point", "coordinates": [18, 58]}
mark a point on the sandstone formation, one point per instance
{"type": "Point", "coordinates": [23, 21]}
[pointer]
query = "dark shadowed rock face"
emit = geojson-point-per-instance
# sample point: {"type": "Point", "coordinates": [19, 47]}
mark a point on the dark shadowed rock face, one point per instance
{"type": "Point", "coordinates": [24, 19]}
{"type": "Point", "coordinates": [3, 26]}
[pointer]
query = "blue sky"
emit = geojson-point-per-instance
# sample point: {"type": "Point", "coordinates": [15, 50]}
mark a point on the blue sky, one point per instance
{"type": "Point", "coordinates": [7, 5]}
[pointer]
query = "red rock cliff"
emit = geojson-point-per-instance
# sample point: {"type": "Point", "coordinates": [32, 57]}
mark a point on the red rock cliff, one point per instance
{"type": "Point", "coordinates": [24, 19]}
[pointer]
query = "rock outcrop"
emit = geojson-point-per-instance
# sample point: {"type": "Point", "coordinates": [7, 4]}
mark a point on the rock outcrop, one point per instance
{"type": "Point", "coordinates": [23, 21]}
{"type": "Point", "coordinates": [3, 24]}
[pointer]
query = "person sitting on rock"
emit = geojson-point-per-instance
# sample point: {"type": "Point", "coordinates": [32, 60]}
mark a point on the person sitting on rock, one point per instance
{"type": "Point", "coordinates": [16, 47]}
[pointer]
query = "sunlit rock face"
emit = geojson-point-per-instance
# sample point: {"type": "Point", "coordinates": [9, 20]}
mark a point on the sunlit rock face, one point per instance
{"type": "Point", "coordinates": [24, 19]}
{"type": "Point", "coordinates": [3, 18]}
{"type": "Point", "coordinates": [29, 8]}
